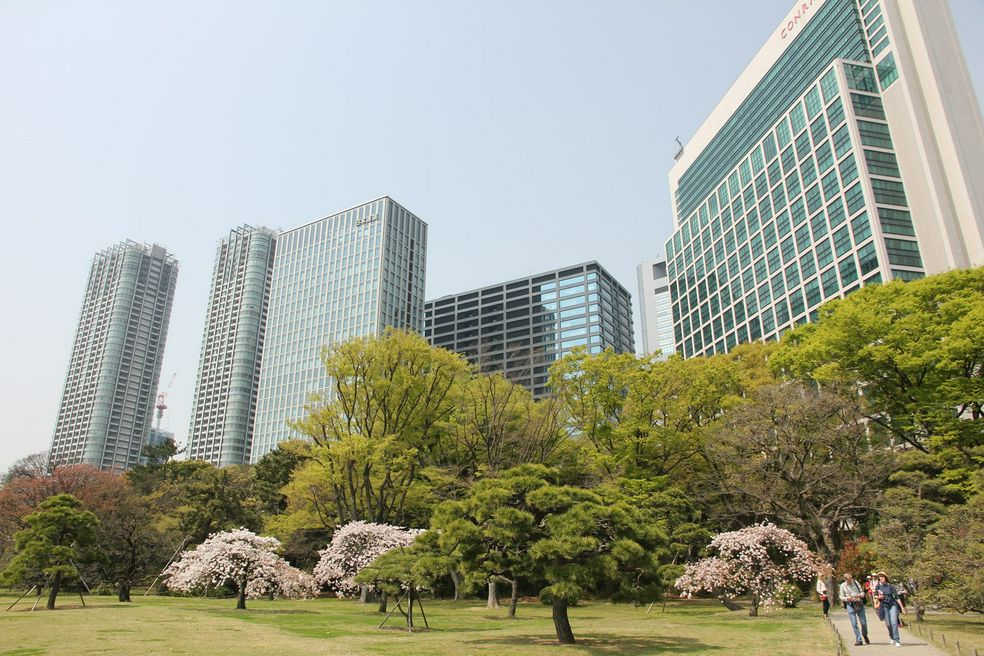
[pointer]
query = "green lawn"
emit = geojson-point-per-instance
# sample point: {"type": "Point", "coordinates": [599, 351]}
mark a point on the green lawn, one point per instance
{"type": "Point", "coordinates": [967, 629]}
{"type": "Point", "coordinates": [161, 625]}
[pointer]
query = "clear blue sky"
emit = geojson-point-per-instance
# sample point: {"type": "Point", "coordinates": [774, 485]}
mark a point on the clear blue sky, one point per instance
{"type": "Point", "coordinates": [529, 134]}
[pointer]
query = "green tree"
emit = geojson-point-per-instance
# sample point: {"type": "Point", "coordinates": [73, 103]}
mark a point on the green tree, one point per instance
{"type": "Point", "coordinates": [949, 569]}
{"type": "Point", "coordinates": [916, 350]}
{"type": "Point", "coordinates": [576, 541]}
{"type": "Point", "coordinates": [54, 540]}
{"type": "Point", "coordinates": [800, 457]}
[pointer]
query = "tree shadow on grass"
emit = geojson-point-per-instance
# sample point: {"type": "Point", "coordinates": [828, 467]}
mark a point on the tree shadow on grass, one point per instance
{"type": "Point", "coordinates": [603, 644]}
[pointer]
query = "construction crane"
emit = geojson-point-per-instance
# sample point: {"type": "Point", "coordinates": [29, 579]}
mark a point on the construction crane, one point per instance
{"type": "Point", "coordinates": [162, 401]}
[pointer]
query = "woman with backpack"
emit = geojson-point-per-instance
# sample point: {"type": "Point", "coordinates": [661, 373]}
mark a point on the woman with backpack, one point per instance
{"type": "Point", "coordinates": [888, 599]}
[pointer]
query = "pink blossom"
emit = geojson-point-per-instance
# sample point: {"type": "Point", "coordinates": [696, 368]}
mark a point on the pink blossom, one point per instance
{"type": "Point", "coordinates": [756, 560]}
{"type": "Point", "coordinates": [353, 547]}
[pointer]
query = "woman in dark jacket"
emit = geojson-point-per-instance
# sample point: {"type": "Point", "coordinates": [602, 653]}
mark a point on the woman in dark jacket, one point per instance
{"type": "Point", "coordinates": [888, 599]}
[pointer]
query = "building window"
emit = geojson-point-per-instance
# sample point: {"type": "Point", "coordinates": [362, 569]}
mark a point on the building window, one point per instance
{"type": "Point", "coordinates": [887, 71]}
{"type": "Point", "coordinates": [902, 252]}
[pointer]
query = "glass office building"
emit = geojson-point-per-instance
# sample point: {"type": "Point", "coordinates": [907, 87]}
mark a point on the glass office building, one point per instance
{"type": "Point", "coordinates": [347, 275]}
{"type": "Point", "coordinates": [108, 399]}
{"type": "Point", "coordinates": [655, 309]}
{"type": "Point", "coordinates": [224, 405]}
{"type": "Point", "coordinates": [848, 153]}
{"type": "Point", "coordinates": [523, 326]}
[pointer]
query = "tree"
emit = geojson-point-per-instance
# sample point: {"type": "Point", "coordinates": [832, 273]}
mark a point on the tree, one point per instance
{"type": "Point", "coordinates": [378, 430]}
{"type": "Point", "coordinates": [801, 457]}
{"type": "Point", "coordinates": [645, 417]}
{"type": "Point", "coordinates": [352, 548]}
{"type": "Point", "coordinates": [403, 570]}
{"type": "Point", "coordinates": [129, 539]}
{"type": "Point", "coordinates": [949, 568]}
{"type": "Point", "coordinates": [54, 539]}
{"type": "Point", "coordinates": [36, 465]}
{"type": "Point", "coordinates": [525, 525]}
{"type": "Point", "coordinates": [757, 560]}
{"type": "Point", "coordinates": [274, 470]}
{"type": "Point", "coordinates": [242, 559]}
{"type": "Point", "coordinates": [916, 350]}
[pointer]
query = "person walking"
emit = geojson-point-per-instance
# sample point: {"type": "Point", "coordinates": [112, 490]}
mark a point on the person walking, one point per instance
{"type": "Point", "coordinates": [824, 597]}
{"type": "Point", "coordinates": [888, 600]}
{"type": "Point", "coordinates": [852, 596]}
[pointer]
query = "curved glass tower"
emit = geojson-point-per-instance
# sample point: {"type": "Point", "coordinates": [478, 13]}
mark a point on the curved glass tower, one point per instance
{"type": "Point", "coordinates": [108, 400]}
{"type": "Point", "coordinates": [224, 406]}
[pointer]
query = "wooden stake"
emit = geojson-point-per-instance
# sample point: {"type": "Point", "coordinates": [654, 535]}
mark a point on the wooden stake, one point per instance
{"type": "Point", "coordinates": [22, 596]}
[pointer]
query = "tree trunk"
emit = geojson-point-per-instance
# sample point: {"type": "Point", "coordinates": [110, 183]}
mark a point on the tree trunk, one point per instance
{"type": "Point", "coordinates": [920, 612]}
{"type": "Point", "coordinates": [755, 606]}
{"type": "Point", "coordinates": [456, 580]}
{"type": "Point", "coordinates": [562, 624]}
{"type": "Point", "coordinates": [123, 592]}
{"type": "Point", "coordinates": [383, 602]}
{"type": "Point", "coordinates": [493, 594]}
{"type": "Point", "coordinates": [513, 597]}
{"type": "Point", "coordinates": [410, 610]}
{"type": "Point", "coordinates": [727, 603]}
{"type": "Point", "coordinates": [53, 593]}
{"type": "Point", "coordinates": [364, 594]}
{"type": "Point", "coordinates": [241, 601]}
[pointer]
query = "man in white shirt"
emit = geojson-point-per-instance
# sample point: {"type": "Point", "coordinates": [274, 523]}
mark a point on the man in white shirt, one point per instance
{"type": "Point", "coordinates": [852, 596]}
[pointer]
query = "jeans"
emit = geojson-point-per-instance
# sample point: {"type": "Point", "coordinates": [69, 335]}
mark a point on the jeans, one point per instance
{"type": "Point", "coordinates": [892, 621]}
{"type": "Point", "coordinates": [855, 616]}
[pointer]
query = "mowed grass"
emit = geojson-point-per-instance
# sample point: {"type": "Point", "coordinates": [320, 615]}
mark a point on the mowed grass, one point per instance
{"type": "Point", "coordinates": [163, 625]}
{"type": "Point", "coordinates": [967, 629]}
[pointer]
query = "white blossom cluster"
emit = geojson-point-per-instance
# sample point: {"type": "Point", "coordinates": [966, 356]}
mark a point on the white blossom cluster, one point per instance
{"type": "Point", "coordinates": [242, 558]}
{"type": "Point", "coordinates": [756, 560]}
{"type": "Point", "coordinates": [353, 547]}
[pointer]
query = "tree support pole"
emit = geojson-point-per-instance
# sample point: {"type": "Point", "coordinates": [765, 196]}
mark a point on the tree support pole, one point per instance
{"type": "Point", "coordinates": [386, 619]}
{"type": "Point", "coordinates": [173, 556]}
{"type": "Point", "coordinates": [21, 597]}
{"type": "Point", "coordinates": [420, 604]}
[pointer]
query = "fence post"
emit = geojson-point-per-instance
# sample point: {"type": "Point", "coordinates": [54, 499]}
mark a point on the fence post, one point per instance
{"type": "Point", "coordinates": [958, 648]}
{"type": "Point", "coordinates": [943, 638]}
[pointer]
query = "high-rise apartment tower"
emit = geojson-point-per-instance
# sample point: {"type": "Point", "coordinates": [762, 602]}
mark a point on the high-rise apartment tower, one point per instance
{"type": "Point", "coordinates": [108, 400]}
{"type": "Point", "coordinates": [224, 406]}
{"type": "Point", "coordinates": [849, 152]}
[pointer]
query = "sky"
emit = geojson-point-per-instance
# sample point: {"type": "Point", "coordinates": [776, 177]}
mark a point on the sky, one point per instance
{"type": "Point", "coordinates": [528, 134]}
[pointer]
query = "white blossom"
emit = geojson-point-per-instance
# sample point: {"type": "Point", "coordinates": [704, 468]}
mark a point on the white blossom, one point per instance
{"type": "Point", "coordinates": [353, 547]}
{"type": "Point", "coordinates": [242, 558]}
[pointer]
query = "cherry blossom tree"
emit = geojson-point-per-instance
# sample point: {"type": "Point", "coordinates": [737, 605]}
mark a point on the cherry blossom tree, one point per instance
{"type": "Point", "coordinates": [243, 559]}
{"type": "Point", "coordinates": [758, 560]}
{"type": "Point", "coordinates": [353, 547]}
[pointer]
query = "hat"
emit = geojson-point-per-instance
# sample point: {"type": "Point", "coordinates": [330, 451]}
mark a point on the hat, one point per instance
{"type": "Point", "coordinates": [882, 574]}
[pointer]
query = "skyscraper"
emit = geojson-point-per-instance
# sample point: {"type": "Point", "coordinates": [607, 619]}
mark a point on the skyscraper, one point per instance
{"type": "Point", "coordinates": [347, 275]}
{"type": "Point", "coordinates": [521, 327]}
{"type": "Point", "coordinates": [108, 399]}
{"type": "Point", "coordinates": [224, 406]}
{"type": "Point", "coordinates": [655, 308]}
{"type": "Point", "coordinates": [849, 152]}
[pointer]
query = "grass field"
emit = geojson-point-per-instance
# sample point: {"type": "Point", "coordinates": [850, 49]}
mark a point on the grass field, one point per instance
{"type": "Point", "coordinates": [967, 629]}
{"type": "Point", "coordinates": [162, 625]}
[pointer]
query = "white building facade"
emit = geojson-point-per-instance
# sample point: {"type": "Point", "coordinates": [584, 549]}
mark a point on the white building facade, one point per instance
{"type": "Point", "coordinates": [655, 308]}
{"type": "Point", "coordinates": [849, 152]}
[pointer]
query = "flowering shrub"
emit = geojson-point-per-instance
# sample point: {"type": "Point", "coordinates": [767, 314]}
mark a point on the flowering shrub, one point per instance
{"type": "Point", "coordinates": [787, 595]}
{"type": "Point", "coordinates": [352, 548]}
{"type": "Point", "coordinates": [243, 559]}
{"type": "Point", "coordinates": [757, 560]}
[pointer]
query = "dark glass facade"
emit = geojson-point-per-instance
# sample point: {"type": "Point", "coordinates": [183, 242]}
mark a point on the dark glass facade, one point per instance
{"type": "Point", "coordinates": [523, 326]}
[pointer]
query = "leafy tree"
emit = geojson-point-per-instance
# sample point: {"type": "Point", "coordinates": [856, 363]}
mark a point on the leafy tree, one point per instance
{"type": "Point", "coordinates": [128, 537]}
{"type": "Point", "coordinates": [274, 470]}
{"type": "Point", "coordinates": [800, 457]}
{"type": "Point", "coordinates": [242, 559]}
{"type": "Point", "coordinates": [576, 541]}
{"type": "Point", "coordinates": [54, 539]}
{"type": "Point", "coordinates": [400, 571]}
{"type": "Point", "coordinates": [645, 417]}
{"type": "Point", "coordinates": [916, 350]}
{"type": "Point", "coordinates": [758, 560]}
{"type": "Point", "coordinates": [198, 499]}
{"type": "Point", "coordinates": [352, 548]}
{"type": "Point", "coordinates": [949, 568]}
{"type": "Point", "coordinates": [155, 466]}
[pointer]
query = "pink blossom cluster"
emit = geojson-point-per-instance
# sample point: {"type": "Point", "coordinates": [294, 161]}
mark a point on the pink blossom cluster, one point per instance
{"type": "Point", "coordinates": [240, 557]}
{"type": "Point", "coordinates": [353, 547]}
{"type": "Point", "coordinates": [755, 560]}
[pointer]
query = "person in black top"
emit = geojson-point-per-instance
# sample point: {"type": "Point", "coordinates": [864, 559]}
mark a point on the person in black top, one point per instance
{"type": "Point", "coordinates": [888, 598]}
